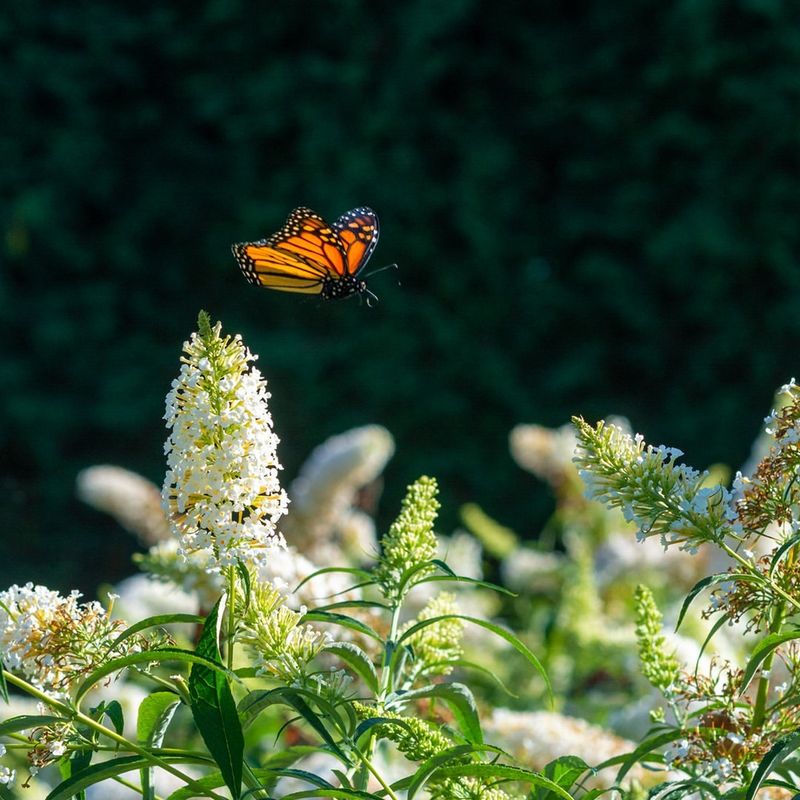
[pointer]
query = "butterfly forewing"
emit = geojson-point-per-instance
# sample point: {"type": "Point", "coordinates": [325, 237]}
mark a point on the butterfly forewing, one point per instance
{"type": "Point", "coordinates": [309, 255]}
{"type": "Point", "coordinates": [307, 235]}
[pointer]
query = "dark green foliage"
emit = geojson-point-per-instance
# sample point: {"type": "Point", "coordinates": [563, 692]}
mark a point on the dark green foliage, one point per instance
{"type": "Point", "coordinates": [594, 209]}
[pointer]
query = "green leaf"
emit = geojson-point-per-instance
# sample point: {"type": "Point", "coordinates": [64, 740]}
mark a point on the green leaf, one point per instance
{"type": "Point", "coordinates": [344, 794]}
{"type": "Point", "coordinates": [113, 711]}
{"type": "Point", "coordinates": [367, 724]}
{"type": "Point", "coordinates": [780, 750]}
{"type": "Point", "coordinates": [361, 573]}
{"type": "Point", "coordinates": [358, 661]}
{"type": "Point", "coordinates": [459, 700]}
{"type": "Point", "coordinates": [691, 787]}
{"type": "Point", "coordinates": [214, 709]}
{"type": "Point", "coordinates": [762, 650]}
{"type": "Point", "coordinates": [146, 657]}
{"type": "Point", "coordinates": [340, 619]}
{"type": "Point", "coordinates": [266, 775]}
{"type": "Point", "coordinates": [353, 604]}
{"type": "Point", "coordinates": [155, 714]}
{"type": "Point", "coordinates": [563, 771]}
{"type": "Point", "coordinates": [714, 628]}
{"type": "Point", "coordinates": [433, 764]}
{"type": "Point", "coordinates": [244, 577]}
{"type": "Point", "coordinates": [155, 622]}
{"type": "Point", "coordinates": [473, 581]}
{"type": "Point", "coordinates": [630, 760]}
{"type": "Point", "coordinates": [25, 722]}
{"type": "Point", "coordinates": [467, 664]}
{"type": "Point", "coordinates": [322, 788]}
{"type": "Point", "coordinates": [443, 566]}
{"type": "Point", "coordinates": [255, 702]}
{"type": "Point", "coordinates": [781, 551]}
{"type": "Point", "coordinates": [3, 685]}
{"type": "Point", "coordinates": [519, 646]}
{"type": "Point", "coordinates": [106, 771]}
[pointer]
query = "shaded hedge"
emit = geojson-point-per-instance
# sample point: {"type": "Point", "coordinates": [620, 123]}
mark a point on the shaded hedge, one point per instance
{"type": "Point", "coordinates": [594, 211]}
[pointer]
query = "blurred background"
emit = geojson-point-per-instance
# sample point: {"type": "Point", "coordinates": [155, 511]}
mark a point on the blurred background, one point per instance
{"type": "Point", "coordinates": [593, 212]}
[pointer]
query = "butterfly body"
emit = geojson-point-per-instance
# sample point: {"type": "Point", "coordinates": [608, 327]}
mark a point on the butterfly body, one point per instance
{"type": "Point", "coordinates": [310, 256]}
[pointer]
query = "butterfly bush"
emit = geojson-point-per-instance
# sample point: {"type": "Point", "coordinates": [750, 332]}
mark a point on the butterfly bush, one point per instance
{"type": "Point", "coordinates": [654, 492]}
{"type": "Point", "coordinates": [221, 488]}
{"type": "Point", "coordinates": [51, 640]}
{"type": "Point", "coordinates": [731, 720]}
{"type": "Point", "coordinates": [348, 666]}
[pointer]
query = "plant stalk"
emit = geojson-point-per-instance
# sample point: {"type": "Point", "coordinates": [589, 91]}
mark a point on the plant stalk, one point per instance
{"type": "Point", "coordinates": [79, 716]}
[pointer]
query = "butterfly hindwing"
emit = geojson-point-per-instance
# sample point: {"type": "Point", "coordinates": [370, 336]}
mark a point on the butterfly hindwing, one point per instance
{"type": "Point", "coordinates": [263, 265]}
{"type": "Point", "coordinates": [358, 232]}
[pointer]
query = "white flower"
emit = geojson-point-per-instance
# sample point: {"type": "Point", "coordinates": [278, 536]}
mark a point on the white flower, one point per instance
{"type": "Point", "coordinates": [7, 775]}
{"type": "Point", "coordinates": [52, 640]}
{"type": "Point", "coordinates": [221, 487]}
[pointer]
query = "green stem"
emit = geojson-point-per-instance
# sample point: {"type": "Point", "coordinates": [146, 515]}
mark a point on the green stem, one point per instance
{"type": "Point", "coordinates": [386, 677]}
{"type": "Point", "coordinates": [231, 623]}
{"type": "Point", "coordinates": [252, 782]}
{"type": "Point", "coordinates": [78, 716]}
{"type": "Point", "coordinates": [386, 674]}
{"type": "Point", "coordinates": [130, 785]}
{"type": "Point", "coordinates": [375, 774]}
{"type": "Point", "coordinates": [168, 685]}
{"type": "Point", "coordinates": [760, 705]}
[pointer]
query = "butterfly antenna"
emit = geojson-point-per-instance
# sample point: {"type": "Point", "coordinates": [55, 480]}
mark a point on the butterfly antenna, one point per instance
{"type": "Point", "coordinates": [381, 269]}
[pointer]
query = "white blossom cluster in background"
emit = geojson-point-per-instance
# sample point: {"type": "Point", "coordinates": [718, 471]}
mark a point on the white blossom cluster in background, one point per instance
{"type": "Point", "coordinates": [132, 500]}
{"type": "Point", "coordinates": [537, 737]}
{"type": "Point", "coordinates": [287, 569]}
{"type": "Point", "coordinates": [221, 489]}
{"type": "Point", "coordinates": [323, 521]}
{"type": "Point", "coordinates": [546, 452]}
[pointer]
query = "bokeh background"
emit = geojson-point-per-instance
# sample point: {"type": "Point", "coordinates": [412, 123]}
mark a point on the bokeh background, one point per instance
{"type": "Point", "coordinates": [594, 207]}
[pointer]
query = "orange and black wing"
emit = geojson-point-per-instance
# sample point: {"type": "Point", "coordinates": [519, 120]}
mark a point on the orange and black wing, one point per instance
{"type": "Point", "coordinates": [358, 235]}
{"type": "Point", "coordinates": [300, 257]}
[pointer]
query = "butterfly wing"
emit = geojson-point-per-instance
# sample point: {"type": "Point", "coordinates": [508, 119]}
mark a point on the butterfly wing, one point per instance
{"type": "Point", "coordinates": [358, 235]}
{"type": "Point", "coordinates": [298, 258]}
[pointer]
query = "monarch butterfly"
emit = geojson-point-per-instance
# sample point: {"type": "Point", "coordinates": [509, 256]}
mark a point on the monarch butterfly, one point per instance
{"type": "Point", "coordinates": [309, 255]}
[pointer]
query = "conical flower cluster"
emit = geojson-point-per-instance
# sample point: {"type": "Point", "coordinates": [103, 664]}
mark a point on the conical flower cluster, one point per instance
{"type": "Point", "coordinates": [221, 489]}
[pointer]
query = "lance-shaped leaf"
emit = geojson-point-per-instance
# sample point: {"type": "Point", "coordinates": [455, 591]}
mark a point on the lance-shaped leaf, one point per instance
{"type": "Point", "coordinates": [214, 709]}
